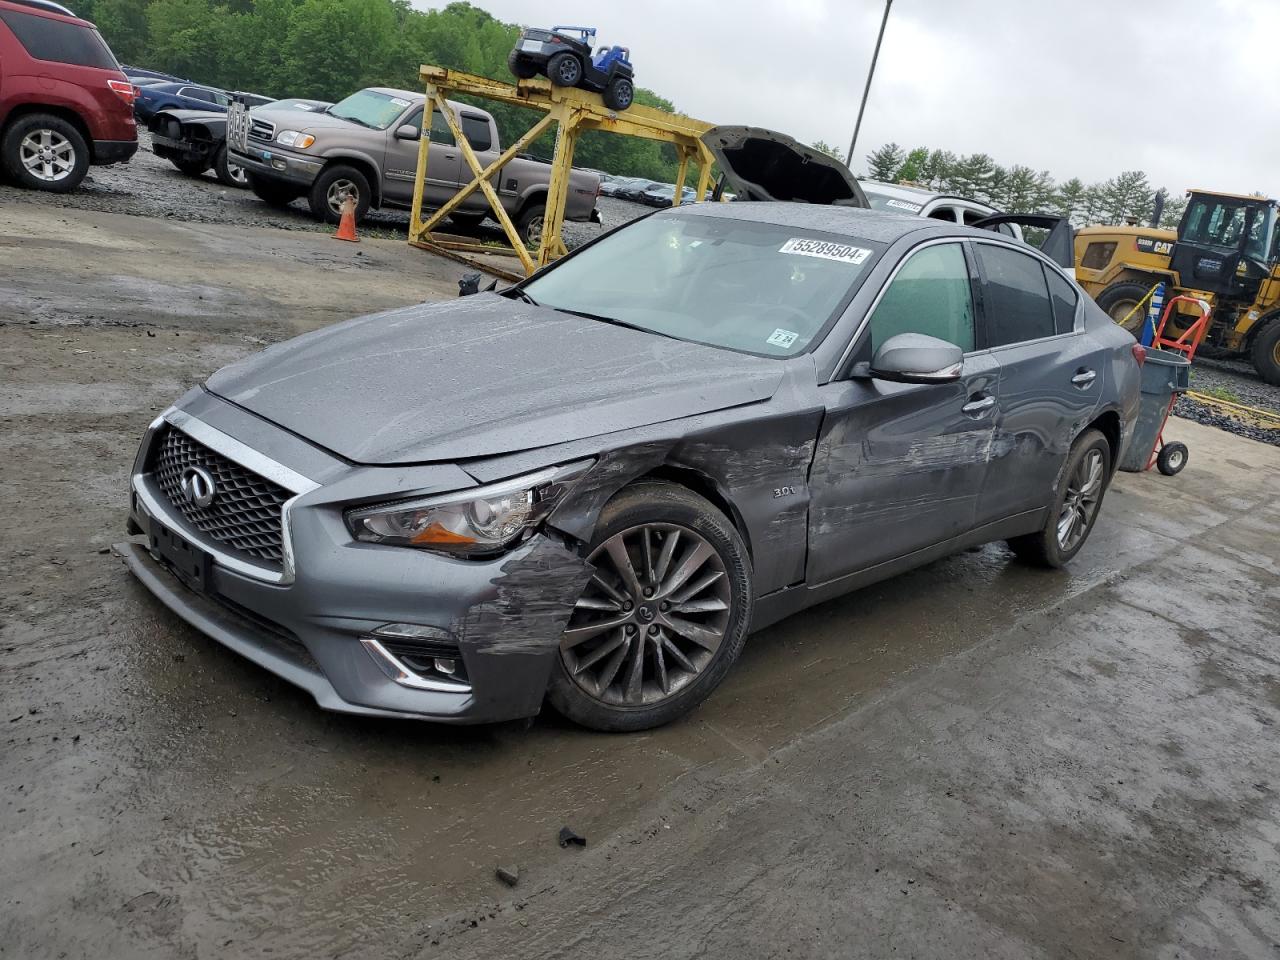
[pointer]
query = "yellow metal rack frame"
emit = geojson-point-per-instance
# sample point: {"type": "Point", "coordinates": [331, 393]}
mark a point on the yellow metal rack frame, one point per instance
{"type": "Point", "coordinates": [573, 111]}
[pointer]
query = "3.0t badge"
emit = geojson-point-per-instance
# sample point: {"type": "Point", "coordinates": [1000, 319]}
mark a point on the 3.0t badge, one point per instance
{"type": "Point", "coordinates": [198, 487]}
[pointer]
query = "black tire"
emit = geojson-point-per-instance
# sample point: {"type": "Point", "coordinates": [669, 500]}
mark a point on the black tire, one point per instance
{"type": "Point", "coordinates": [271, 192]}
{"type": "Point", "coordinates": [1121, 297]}
{"type": "Point", "coordinates": [1265, 352]}
{"type": "Point", "coordinates": [467, 221]}
{"type": "Point", "coordinates": [529, 224]}
{"type": "Point", "coordinates": [1044, 548]}
{"type": "Point", "coordinates": [70, 153]}
{"type": "Point", "coordinates": [229, 174]}
{"type": "Point", "coordinates": [333, 181]}
{"type": "Point", "coordinates": [619, 93]}
{"type": "Point", "coordinates": [192, 168]}
{"type": "Point", "coordinates": [1172, 458]}
{"type": "Point", "coordinates": [520, 68]}
{"type": "Point", "coordinates": [564, 69]}
{"type": "Point", "coordinates": [676, 507]}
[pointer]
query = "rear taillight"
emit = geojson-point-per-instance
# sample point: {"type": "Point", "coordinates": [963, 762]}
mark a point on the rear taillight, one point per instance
{"type": "Point", "coordinates": [124, 90]}
{"type": "Point", "coordinates": [1139, 354]}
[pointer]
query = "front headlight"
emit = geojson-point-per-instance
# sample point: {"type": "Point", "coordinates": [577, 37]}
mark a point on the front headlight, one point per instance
{"type": "Point", "coordinates": [477, 522]}
{"type": "Point", "coordinates": [292, 138]}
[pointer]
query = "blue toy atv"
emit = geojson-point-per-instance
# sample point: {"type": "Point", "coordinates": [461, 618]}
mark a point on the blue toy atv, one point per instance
{"type": "Point", "coordinates": [563, 55]}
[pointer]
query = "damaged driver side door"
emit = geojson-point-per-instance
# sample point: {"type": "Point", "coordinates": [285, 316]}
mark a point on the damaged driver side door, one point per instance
{"type": "Point", "coordinates": [900, 466]}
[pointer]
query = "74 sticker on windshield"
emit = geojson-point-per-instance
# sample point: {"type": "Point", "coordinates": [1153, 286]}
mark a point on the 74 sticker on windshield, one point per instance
{"type": "Point", "coordinates": [782, 338]}
{"type": "Point", "coordinates": [842, 252]}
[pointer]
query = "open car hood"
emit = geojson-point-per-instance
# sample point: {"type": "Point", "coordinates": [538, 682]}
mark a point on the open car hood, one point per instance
{"type": "Point", "coordinates": [765, 165]}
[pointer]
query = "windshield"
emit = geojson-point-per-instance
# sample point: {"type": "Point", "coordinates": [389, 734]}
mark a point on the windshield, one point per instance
{"type": "Point", "coordinates": [370, 109]}
{"type": "Point", "coordinates": [1225, 222]}
{"type": "Point", "coordinates": [752, 287]}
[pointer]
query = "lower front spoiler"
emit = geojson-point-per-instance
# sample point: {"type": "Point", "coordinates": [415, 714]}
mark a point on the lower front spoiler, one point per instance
{"type": "Point", "coordinates": [286, 660]}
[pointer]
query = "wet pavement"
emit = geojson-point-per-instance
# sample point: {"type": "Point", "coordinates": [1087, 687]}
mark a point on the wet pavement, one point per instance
{"type": "Point", "coordinates": [974, 759]}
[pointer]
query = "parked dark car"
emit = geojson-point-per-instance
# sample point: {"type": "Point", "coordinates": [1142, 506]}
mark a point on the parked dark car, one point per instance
{"type": "Point", "coordinates": [139, 73]}
{"type": "Point", "coordinates": [633, 189]}
{"type": "Point", "coordinates": [591, 487]}
{"type": "Point", "coordinates": [662, 195]}
{"type": "Point", "coordinates": [196, 140]}
{"type": "Point", "coordinates": [180, 96]}
{"type": "Point", "coordinates": [64, 104]}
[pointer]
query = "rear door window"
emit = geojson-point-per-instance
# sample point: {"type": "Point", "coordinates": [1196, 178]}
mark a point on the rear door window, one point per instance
{"type": "Point", "coordinates": [1016, 296]}
{"type": "Point", "coordinates": [931, 295]}
{"type": "Point", "coordinates": [1064, 298]}
{"type": "Point", "coordinates": [476, 130]}
{"type": "Point", "coordinates": [59, 41]}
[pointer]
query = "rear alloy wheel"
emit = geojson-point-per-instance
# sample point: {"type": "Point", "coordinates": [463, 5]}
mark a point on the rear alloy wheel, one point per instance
{"type": "Point", "coordinates": [530, 223]}
{"type": "Point", "coordinates": [663, 618]}
{"type": "Point", "coordinates": [1082, 485]}
{"type": "Point", "coordinates": [564, 70]}
{"type": "Point", "coordinates": [44, 152]}
{"type": "Point", "coordinates": [228, 173]}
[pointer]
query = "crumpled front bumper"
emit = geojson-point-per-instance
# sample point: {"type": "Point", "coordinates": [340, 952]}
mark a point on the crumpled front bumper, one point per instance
{"type": "Point", "coordinates": [311, 626]}
{"type": "Point", "coordinates": [274, 164]}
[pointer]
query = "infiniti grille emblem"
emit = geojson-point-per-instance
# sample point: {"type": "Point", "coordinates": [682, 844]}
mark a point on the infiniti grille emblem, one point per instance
{"type": "Point", "coordinates": [198, 487]}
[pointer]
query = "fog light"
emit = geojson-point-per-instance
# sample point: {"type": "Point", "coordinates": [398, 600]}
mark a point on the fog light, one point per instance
{"type": "Point", "coordinates": [447, 667]}
{"type": "Point", "coordinates": [278, 164]}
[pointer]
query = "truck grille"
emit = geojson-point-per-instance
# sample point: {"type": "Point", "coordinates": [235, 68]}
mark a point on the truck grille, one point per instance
{"type": "Point", "coordinates": [245, 512]}
{"type": "Point", "coordinates": [261, 130]}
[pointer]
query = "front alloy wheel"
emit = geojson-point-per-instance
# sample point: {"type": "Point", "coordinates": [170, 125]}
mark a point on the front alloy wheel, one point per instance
{"type": "Point", "coordinates": [652, 617]}
{"type": "Point", "coordinates": [663, 617]}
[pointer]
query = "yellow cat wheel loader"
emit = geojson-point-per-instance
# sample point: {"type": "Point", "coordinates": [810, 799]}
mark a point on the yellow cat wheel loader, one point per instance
{"type": "Point", "coordinates": [1226, 250]}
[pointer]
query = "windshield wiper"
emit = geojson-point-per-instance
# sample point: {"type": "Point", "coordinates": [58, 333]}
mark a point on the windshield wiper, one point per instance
{"type": "Point", "coordinates": [614, 321]}
{"type": "Point", "coordinates": [343, 116]}
{"type": "Point", "coordinates": [513, 292]}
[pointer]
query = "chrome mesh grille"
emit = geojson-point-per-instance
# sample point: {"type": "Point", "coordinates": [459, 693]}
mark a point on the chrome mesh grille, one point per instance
{"type": "Point", "coordinates": [245, 512]}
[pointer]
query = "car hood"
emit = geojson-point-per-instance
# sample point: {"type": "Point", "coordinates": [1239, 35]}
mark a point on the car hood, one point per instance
{"type": "Point", "coordinates": [766, 165]}
{"type": "Point", "coordinates": [193, 116]}
{"type": "Point", "coordinates": [481, 376]}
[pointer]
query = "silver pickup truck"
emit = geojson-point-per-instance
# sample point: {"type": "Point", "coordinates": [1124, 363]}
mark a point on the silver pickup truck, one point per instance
{"type": "Point", "coordinates": [367, 145]}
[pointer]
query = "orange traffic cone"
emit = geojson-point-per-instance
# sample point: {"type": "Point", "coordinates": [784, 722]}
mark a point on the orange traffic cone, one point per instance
{"type": "Point", "coordinates": [347, 227]}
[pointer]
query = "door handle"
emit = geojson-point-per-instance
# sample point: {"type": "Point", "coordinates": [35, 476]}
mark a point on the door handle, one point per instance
{"type": "Point", "coordinates": [1083, 378]}
{"type": "Point", "coordinates": [979, 406]}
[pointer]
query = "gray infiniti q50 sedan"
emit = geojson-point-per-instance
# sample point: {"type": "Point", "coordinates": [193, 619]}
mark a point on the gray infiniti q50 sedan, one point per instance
{"type": "Point", "coordinates": [590, 487]}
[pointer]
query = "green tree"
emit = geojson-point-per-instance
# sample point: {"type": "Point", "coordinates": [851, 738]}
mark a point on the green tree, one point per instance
{"type": "Point", "coordinates": [883, 164]}
{"type": "Point", "coordinates": [1174, 208]}
{"type": "Point", "coordinates": [823, 147]}
{"type": "Point", "coordinates": [1069, 200]}
{"type": "Point", "coordinates": [912, 169]}
{"type": "Point", "coordinates": [1127, 194]}
{"type": "Point", "coordinates": [935, 170]}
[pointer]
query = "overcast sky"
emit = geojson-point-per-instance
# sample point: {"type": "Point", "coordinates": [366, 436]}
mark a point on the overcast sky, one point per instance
{"type": "Point", "coordinates": [1183, 89]}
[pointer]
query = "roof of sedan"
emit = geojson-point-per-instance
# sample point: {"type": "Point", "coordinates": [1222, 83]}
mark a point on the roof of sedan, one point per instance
{"type": "Point", "coordinates": [857, 222]}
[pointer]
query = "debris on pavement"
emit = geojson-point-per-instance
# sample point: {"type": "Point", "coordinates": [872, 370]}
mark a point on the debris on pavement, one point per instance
{"type": "Point", "coordinates": [508, 875]}
{"type": "Point", "coordinates": [567, 836]}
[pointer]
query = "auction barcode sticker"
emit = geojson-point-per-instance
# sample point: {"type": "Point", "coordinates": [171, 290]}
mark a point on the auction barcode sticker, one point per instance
{"type": "Point", "coordinates": [827, 251]}
{"type": "Point", "coordinates": [904, 205]}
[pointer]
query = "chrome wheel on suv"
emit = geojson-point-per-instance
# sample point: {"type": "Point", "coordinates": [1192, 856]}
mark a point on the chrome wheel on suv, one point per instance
{"type": "Point", "coordinates": [47, 155]}
{"type": "Point", "coordinates": [44, 152]}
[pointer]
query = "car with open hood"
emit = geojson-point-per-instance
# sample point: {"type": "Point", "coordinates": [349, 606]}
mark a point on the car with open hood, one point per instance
{"type": "Point", "coordinates": [589, 488]}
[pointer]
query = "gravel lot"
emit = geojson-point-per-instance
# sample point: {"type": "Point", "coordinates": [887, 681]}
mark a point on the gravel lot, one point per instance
{"type": "Point", "coordinates": [148, 186]}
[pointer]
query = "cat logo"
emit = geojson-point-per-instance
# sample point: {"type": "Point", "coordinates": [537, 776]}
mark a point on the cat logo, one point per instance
{"type": "Point", "coordinates": [1162, 248]}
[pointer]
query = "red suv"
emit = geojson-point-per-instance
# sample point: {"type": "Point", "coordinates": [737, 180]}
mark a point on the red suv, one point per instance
{"type": "Point", "coordinates": [64, 103]}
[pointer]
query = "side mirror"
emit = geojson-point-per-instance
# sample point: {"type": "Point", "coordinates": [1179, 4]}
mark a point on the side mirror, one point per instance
{"type": "Point", "coordinates": [407, 131]}
{"type": "Point", "coordinates": [916, 358]}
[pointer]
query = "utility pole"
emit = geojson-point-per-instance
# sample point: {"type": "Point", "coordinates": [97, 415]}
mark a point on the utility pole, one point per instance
{"type": "Point", "coordinates": [871, 72]}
